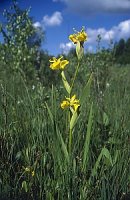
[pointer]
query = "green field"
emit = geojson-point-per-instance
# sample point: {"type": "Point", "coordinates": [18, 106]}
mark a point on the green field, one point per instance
{"type": "Point", "coordinates": [34, 134]}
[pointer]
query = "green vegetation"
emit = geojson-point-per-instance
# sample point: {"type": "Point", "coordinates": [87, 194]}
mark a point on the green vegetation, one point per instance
{"type": "Point", "coordinates": [122, 51]}
{"type": "Point", "coordinates": [35, 159]}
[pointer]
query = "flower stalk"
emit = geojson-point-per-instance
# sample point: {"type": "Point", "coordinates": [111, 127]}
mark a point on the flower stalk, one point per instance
{"type": "Point", "coordinates": [71, 102]}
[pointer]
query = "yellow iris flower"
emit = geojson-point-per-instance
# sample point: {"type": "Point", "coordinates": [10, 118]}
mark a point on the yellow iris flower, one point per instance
{"type": "Point", "coordinates": [71, 102]}
{"type": "Point", "coordinates": [58, 63]}
{"type": "Point", "coordinates": [78, 37]}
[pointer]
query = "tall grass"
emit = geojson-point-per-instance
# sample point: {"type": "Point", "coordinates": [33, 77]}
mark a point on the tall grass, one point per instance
{"type": "Point", "coordinates": [34, 134]}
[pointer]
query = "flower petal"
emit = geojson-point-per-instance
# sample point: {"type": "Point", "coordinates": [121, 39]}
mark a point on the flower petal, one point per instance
{"type": "Point", "coordinates": [63, 64]}
{"type": "Point", "coordinates": [64, 104]}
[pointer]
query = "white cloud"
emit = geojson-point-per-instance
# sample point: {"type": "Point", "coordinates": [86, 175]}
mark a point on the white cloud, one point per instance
{"type": "Point", "coordinates": [86, 7]}
{"type": "Point", "coordinates": [54, 20]}
{"type": "Point", "coordinates": [66, 47]}
{"type": "Point", "coordinates": [122, 30]}
{"type": "Point", "coordinates": [37, 25]}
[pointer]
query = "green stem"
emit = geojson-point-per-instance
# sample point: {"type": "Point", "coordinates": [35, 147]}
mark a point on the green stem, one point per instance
{"type": "Point", "coordinates": [70, 141]}
{"type": "Point", "coordinates": [70, 131]}
{"type": "Point", "coordinates": [20, 179]}
{"type": "Point", "coordinates": [75, 75]}
{"type": "Point", "coordinates": [65, 82]}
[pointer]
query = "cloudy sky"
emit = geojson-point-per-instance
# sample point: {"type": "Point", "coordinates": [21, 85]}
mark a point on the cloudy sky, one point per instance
{"type": "Point", "coordinates": [109, 18]}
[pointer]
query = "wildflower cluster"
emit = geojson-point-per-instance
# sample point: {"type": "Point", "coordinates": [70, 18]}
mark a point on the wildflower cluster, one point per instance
{"type": "Point", "coordinates": [71, 102]}
{"type": "Point", "coordinates": [60, 64]}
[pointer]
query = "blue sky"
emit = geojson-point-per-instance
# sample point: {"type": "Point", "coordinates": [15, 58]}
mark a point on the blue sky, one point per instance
{"type": "Point", "coordinates": [110, 18]}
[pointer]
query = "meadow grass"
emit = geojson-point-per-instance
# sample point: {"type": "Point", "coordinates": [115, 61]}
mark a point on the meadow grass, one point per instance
{"type": "Point", "coordinates": [34, 135]}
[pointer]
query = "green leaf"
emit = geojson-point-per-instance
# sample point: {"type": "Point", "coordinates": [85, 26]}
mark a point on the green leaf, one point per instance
{"type": "Point", "coordinates": [94, 170]}
{"type": "Point", "coordinates": [107, 155]}
{"type": "Point", "coordinates": [86, 90]}
{"type": "Point", "coordinates": [104, 152]}
{"type": "Point", "coordinates": [65, 82]}
{"type": "Point", "coordinates": [73, 120]}
{"type": "Point", "coordinates": [79, 50]}
{"type": "Point", "coordinates": [50, 113]}
{"type": "Point", "coordinates": [105, 119]}
{"type": "Point", "coordinates": [24, 186]}
{"type": "Point", "coordinates": [63, 146]}
{"type": "Point", "coordinates": [88, 137]}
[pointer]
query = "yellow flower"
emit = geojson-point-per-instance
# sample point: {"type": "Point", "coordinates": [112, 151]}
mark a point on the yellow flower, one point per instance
{"type": "Point", "coordinates": [82, 36]}
{"type": "Point", "coordinates": [71, 102]}
{"type": "Point", "coordinates": [64, 104]}
{"type": "Point", "coordinates": [73, 38]}
{"type": "Point", "coordinates": [58, 63]}
{"type": "Point", "coordinates": [78, 37]}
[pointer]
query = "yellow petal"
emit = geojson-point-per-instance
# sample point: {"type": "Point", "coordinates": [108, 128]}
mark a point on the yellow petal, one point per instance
{"type": "Point", "coordinates": [64, 104]}
{"type": "Point", "coordinates": [60, 58]}
{"type": "Point", "coordinates": [76, 106]}
{"type": "Point", "coordinates": [73, 38]}
{"type": "Point", "coordinates": [73, 98]}
{"type": "Point", "coordinates": [64, 63]}
{"type": "Point", "coordinates": [74, 102]}
{"type": "Point", "coordinates": [55, 65]}
{"type": "Point", "coordinates": [82, 36]}
{"type": "Point", "coordinates": [53, 59]}
{"type": "Point", "coordinates": [58, 63]}
{"type": "Point", "coordinates": [67, 99]}
{"type": "Point", "coordinates": [78, 37]}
